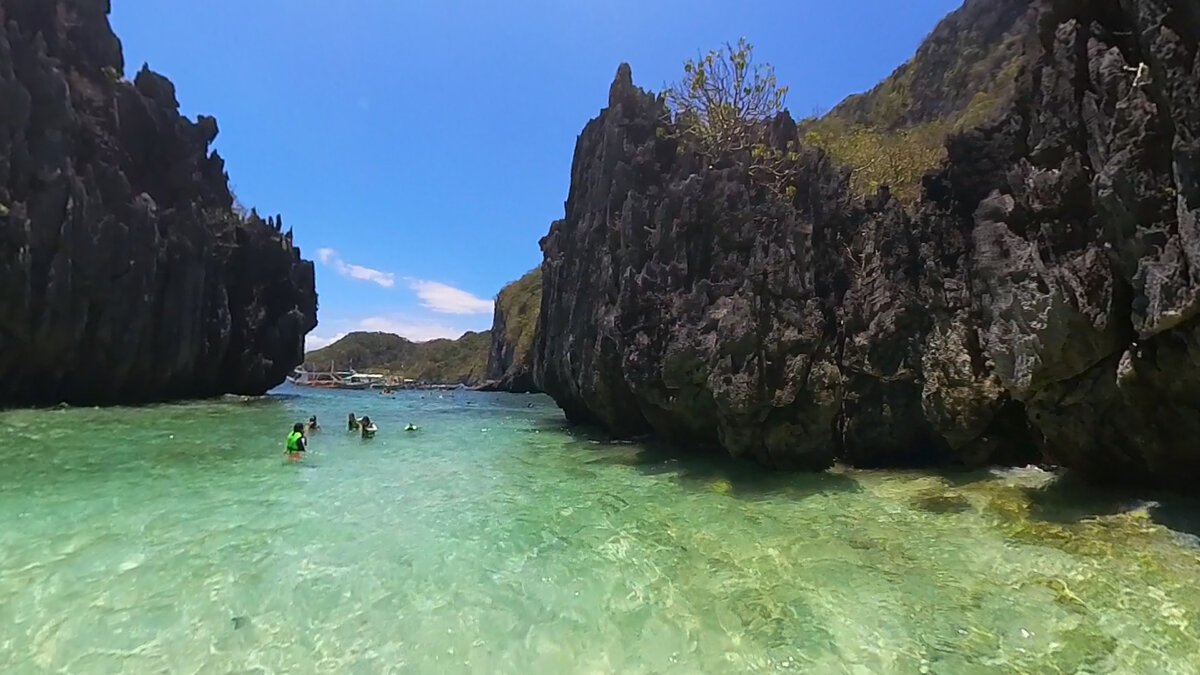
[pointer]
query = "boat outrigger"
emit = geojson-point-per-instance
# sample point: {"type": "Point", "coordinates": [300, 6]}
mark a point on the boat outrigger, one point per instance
{"type": "Point", "coordinates": [335, 379]}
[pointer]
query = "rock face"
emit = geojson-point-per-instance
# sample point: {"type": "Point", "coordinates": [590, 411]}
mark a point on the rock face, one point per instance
{"type": "Point", "coordinates": [125, 275]}
{"type": "Point", "coordinates": [510, 359]}
{"type": "Point", "coordinates": [1039, 300]}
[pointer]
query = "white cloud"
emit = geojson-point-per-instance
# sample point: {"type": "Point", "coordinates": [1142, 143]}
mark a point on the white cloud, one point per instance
{"type": "Point", "coordinates": [415, 330]}
{"type": "Point", "coordinates": [330, 257]}
{"type": "Point", "coordinates": [314, 342]}
{"type": "Point", "coordinates": [445, 299]}
{"type": "Point", "coordinates": [435, 296]}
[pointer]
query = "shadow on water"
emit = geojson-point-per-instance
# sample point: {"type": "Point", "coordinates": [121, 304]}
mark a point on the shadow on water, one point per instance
{"type": "Point", "coordinates": [1070, 500]}
{"type": "Point", "coordinates": [739, 478]}
{"type": "Point", "coordinates": [1179, 515]}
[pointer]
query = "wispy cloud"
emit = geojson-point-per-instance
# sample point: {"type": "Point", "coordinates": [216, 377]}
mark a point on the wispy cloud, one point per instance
{"type": "Point", "coordinates": [415, 329]}
{"type": "Point", "coordinates": [434, 295]}
{"type": "Point", "coordinates": [314, 342]}
{"type": "Point", "coordinates": [445, 299]}
{"type": "Point", "coordinates": [330, 257]}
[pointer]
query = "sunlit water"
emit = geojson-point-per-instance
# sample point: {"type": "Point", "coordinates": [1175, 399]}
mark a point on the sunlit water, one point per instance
{"type": "Point", "coordinates": [494, 540]}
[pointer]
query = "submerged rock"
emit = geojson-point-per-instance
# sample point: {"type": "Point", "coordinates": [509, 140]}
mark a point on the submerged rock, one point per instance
{"type": "Point", "coordinates": [125, 274]}
{"type": "Point", "coordinates": [942, 503]}
{"type": "Point", "coordinates": [1038, 300]}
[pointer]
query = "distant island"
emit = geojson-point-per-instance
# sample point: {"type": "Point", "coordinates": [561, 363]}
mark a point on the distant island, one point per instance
{"type": "Point", "coordinates": [461, 361]}
{"type": "Point", "coordinates": [498, 359]}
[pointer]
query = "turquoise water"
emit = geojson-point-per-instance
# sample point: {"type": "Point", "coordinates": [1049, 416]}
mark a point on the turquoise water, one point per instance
{"type": "Point", "coordinates": [178, 539]}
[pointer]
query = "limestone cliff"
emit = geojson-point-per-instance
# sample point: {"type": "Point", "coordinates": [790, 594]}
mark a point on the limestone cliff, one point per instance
{"type": "Point", "coordinates": [125, 275]}
{"type": "Point", "coordinates": [1037, 300]}
{"type": "Point", "coordinates": [510, 360]}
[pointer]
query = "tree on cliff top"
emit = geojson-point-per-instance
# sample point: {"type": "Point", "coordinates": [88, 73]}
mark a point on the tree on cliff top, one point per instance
{"type": "Point", "coordinates": [725, 99]}
{"type": "Point", "coordinates": [723, 105]}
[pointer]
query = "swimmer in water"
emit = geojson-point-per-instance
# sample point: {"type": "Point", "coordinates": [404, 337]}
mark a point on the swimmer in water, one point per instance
{"type": "Point", "coordinates": [410, 427]}
{"type": "Point", "coordinates": [297, 444]}
{"type": "Point", "coordinates": [312, 424]}
{"type": "Point", "coordinates": [351, 423]}
{"type": "Point", "coordinates": [368, 427]}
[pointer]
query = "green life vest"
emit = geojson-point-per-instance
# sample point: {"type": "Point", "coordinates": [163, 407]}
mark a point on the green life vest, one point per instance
{"type": "Point", "coordinates": [293, 442]}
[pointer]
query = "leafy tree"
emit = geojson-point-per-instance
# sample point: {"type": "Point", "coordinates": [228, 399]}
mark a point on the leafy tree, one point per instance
{"type": "Point", "coordinates": [725, 99]}
{"type": "Point", "coordinates": [722, 107]}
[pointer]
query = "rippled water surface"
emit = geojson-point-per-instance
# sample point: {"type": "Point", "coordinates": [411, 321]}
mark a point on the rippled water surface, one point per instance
{"type": "Point", "coordinates": [178, 539]}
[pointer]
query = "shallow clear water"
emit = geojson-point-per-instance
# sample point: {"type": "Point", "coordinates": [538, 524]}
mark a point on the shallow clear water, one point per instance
{"type": "Point", "coordinates": [178, 539]}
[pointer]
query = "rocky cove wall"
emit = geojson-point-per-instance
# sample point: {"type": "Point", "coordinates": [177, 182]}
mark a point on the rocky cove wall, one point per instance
{"type": "Point", "coordinates": [125, 275]}
{"type": "Point", "coordinates": [508, 368]}
{"type": "Point", "coordinates": [514, 325]}
{"type": "Point", "coordinates": [1040, 300]}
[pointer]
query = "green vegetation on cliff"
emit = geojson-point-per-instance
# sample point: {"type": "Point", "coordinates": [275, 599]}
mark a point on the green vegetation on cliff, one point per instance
{"type": "Point", "coordinates": [521, 302]}
{"type": "Point", "coordinates": [961, 75]}
{"type": "Point", "coordinates": [724, 105]}
{"type": "Point", "coordinates": [461, 361]}
{"type": "Point", "coordinates": [510, 361]}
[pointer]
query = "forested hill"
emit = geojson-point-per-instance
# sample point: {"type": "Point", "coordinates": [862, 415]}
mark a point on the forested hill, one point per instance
{"type": "Point", "coordinates": [461, 361]}
{"type": "Point", "coordinates": [962, 74]}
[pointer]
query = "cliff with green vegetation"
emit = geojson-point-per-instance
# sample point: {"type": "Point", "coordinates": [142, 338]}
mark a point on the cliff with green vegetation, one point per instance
{"type": "Point", "coordinates": [461, 361]}
{"type": "Point", "coordinates": [960, 77]}
{"type": "Point", "coordinates": [510, 360]}
{"type": "Point", "coordinates": [1039, 300]}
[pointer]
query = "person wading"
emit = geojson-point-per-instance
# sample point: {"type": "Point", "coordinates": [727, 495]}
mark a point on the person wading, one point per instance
{"type": "Point", "coordinates": [297, 444]}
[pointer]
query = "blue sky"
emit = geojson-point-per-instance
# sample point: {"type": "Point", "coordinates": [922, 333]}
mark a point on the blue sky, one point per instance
{"type": "Point", "coordinates": [420, 149]}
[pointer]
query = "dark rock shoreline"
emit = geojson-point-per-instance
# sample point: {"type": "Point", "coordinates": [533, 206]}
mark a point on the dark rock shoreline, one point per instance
{"type": "Point", "coordinates": [1039, 303]}
{"type": "Point", "coordinates": [125, 275]}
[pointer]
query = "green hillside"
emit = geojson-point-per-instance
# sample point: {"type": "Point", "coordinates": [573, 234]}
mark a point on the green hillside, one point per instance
{"type": "Point", "coordinates": [510, 362]}
{"type": "Point", "coordinates": [521, 302]}
{"type": "Point", "coordinates": [959, 77]}
{"type": "Point", "coordinates": [461, 361]}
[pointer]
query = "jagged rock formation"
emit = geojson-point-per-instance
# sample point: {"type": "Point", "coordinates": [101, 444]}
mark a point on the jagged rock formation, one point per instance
{"type": "Point", "coordinates": [124, 273]}
{"type": "Point", "coordinates": [1037, 301]}
{"type": "Point", "coordinates": [510, 360]}
{"type": "Point", "coordinates": [461, 361]}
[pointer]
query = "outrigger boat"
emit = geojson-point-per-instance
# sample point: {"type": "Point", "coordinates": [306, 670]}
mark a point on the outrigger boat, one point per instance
{"type": "Point", "coordinates": [335, 379]}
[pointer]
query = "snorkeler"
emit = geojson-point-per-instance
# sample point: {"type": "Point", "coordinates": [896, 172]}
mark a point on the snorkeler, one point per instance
{"type": "Point", "coordinates": [368, 427]}
{"type": "Point", "coordinates": [410, 427]}
{"type": "Point", "coordinates": [351, 423]}
{"type": "Point", "coordinates": [297, 444]}
{"type": "Point", "coordinates": [312, 424]}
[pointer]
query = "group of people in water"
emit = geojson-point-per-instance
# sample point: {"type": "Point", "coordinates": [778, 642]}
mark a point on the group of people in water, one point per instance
{"type": "Point", "coordinates": [297, 440]}
{"type": "Point", "coordinates": [364, 425]}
